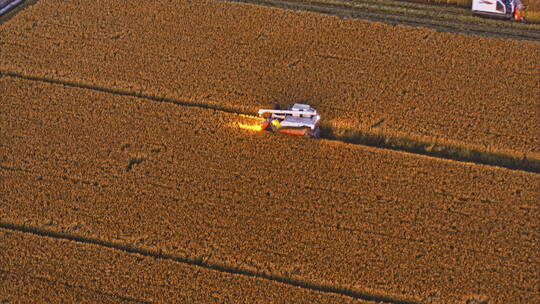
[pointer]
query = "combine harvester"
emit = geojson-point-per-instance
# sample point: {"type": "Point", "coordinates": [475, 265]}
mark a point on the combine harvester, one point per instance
{"type": "Point", "coordinates": [299, 119]}
{"type": "Point", "coordinates": [502, 9]}
{"type": "Point", "coordinates": [7, 5]}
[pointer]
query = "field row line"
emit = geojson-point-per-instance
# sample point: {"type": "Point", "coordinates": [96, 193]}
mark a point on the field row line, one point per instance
{"type": "Point", "coordinates": [308, 219]}
{"type": "Point", "coordinates": [120, 92]}
{"type": "Point", "coordinates": [527, 162]}
{"type": "Point", "coordinates": [203, 262]}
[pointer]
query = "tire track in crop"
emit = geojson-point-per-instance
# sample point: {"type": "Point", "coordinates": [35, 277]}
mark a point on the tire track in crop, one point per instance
{"type": "Point", "coordinates": [72, 286]}
{"type": "Point", "coordinates": [120, 92]}
{"type": "Point", "coordinates": [388, 13]}
{"type": "Point", "coordinates": [521, 162]}
{"type": "Point", "coordinates": [212, 265]}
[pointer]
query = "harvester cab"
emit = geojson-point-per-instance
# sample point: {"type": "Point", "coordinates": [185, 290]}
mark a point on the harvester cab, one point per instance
{"type": "Point", "coordinates": [502, 9]}
{"type": "Point", "coordinates": [299, 119]}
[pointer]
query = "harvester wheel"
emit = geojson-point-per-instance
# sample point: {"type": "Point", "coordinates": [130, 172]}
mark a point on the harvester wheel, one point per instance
{"type": "Point", "coordinates": [312, 133]}
{"type": "Point", "coordinates": [309, 134]}
{"type": "Point", "coordinates": [317, 132]}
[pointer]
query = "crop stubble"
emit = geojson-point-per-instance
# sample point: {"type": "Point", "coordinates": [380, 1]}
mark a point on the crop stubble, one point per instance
{"type": "Point", "coordinates": [385, 223]}
{"type": "Point", "coordinates": [418, 82]}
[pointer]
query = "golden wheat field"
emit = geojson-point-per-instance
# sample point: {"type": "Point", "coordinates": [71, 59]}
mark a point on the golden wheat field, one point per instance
{"type": "Point", "coordinates": [439, 85]}
{"type": "Point", "coordinates": [319, 212]}
{"type": "Point", "coordinates": [132, 168]}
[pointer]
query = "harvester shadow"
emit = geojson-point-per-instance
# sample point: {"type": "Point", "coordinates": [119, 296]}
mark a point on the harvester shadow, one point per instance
{"type": "Point", "coordinates": [439, 149]}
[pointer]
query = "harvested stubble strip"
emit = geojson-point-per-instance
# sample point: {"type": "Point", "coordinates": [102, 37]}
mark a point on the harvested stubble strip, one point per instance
{"type": "Point", "coordinates": [440, 85]}
{"type": "Point", "coordinates": [41, 269]}
{"type": "Point", "coordinates": [323, 212]}
{"type": "Point", "coordinates": [448, 149]}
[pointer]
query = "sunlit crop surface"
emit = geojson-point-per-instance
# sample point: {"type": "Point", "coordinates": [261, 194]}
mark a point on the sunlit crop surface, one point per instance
{"type": "Point", "coordinates": [133, 169]}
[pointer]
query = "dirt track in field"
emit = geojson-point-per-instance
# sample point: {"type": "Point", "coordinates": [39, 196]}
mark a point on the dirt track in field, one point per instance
{"type": "Point", "coordinates": [268, 205]}
{"type": "Point", "coordinates": [434, 16]}
{"type": "Point", "coordinates": [355, 72]}
{"type": "Point", "coordinates": [78, 272]}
